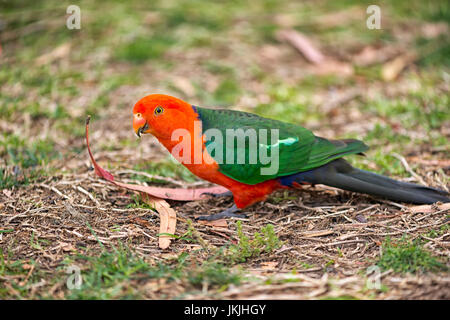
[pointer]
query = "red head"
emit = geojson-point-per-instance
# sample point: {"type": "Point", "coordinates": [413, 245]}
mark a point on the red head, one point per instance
{"type": "Point", "coordinates": [160, 115]}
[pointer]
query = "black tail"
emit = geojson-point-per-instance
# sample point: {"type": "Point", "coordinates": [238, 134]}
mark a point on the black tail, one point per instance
{"type": "Point", "coordinates": [341, 174]}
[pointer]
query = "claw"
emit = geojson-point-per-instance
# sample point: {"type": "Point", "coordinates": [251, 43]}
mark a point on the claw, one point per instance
{"type": "Point", "coordinates": [219, 195]}
{"type": "Point", "coordinates": [228, 213]}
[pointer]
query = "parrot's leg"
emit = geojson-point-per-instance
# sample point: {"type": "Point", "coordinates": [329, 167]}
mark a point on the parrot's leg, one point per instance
{"type": "Point", "coordinates": [219, 195]}
{"type": "Point", "coordinates": [228, 213]}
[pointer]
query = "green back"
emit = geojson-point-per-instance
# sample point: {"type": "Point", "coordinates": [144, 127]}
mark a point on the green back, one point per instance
{"type": "Point", "coordinates": [298, 149]}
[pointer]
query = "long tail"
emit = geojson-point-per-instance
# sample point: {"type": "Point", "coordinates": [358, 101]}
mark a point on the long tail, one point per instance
{"type": "Point", "coordinates": [341, 174]}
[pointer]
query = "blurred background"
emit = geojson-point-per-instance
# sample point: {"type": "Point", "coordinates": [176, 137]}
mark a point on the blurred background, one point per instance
{"type": "Point", "coordinates": [322, 64]}
{"type": "Point", "coordinates": [314, 63]}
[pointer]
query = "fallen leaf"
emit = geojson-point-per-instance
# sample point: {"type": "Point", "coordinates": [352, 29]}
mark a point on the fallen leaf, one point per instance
{"type": "Point", "coordinates": [269, 265]}
{"type": "Point", "coordinates": [434, 30]}
{"type": "Point", "coordinates": [221, 223]}
{"type": "Point", "coordinates": [168, 219]}
{"type": "Point", "coordinates": [322, 64]}
{"type": "Point", "coordinates": [141, 222]}
{"type": "Point", "coordinates": [27, 266]}
{"type": "Point", "coordinates": [393, 68]}
{"type": "Point", "coordinates": [302, 44]}
{"type": "Point", "coordinates": [331, 66]}
{"type": "Point", "coordinates": [57, 53]}
{"type": "Point", "coordinates": [67, 246]}
{"type": "Point", "coordinates": [170, 255]}
{"type": "Point", "coordinates": [429, 208]}
{"type": "Point", "coordinates": [370, 55]}
{"type": "Point", "coordinates": [7, 193]}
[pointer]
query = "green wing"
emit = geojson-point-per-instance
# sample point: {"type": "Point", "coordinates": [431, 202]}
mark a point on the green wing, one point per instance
{"type": "Point", "coordinates": [298, 148]}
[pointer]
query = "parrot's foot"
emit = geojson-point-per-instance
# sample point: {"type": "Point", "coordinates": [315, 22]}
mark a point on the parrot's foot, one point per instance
{"type": "Point", "coordinates": [219, 195]}
{"type": "Point", "coordinates": [228, 213]}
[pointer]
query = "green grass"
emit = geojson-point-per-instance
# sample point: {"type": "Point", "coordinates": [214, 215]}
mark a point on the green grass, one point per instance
{"type": "Point", "coordinates": [141, 49]}
{"type": "Point", "coordinates": [120, 273]}
{"type": "Point", "coordinates": [24, 160]}
{"type": "Point", "coordinates": [15, 272]}
{"type": "Point", "coordinates": [289, 103]}
{"type": "Point", "coordinates": [108, 275]}
{"type": "Point", "coordinates": [435, 233]}
{"type": "Point", "coordinates": [19, 151]}
{"type": "Point", "coordinates": [407, 256]}
{"type": "Point", "coordinates": [213, 273]}
{"type": "Point", "coordinates": [434, 52]}
{"type": "Point", "coordinates": [137, 202]}
{"type": "Point", "coordinates": [265, 241]}
{"type": "Point", "coordinates": [227, 92]}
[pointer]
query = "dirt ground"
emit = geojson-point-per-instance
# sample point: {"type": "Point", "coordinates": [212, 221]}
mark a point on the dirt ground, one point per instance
{"type": "Point", "coordinates": [330, 237]}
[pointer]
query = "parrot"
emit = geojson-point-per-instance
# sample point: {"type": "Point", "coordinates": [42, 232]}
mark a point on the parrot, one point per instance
{"type": "Point", "coordinates": [300, 157]}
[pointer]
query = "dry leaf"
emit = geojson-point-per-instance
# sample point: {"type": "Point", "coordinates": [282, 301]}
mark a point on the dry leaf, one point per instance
{"type": "Point", "coordinates": [370, 55]}
{"type": "Point", "coordinates": [67, 246]}
{"type": "Point", "coordinates": [269, 265]}
{"type": "Point", "coordinates": [7, 193]}
{"type": "Point", "coordinates": [393, 68]}
{"type": "Point", "coordinates": [27, 266]}
{"type": "Point", "coordinates": [323, 64]}
{"type": "Point", "coordinates": [331, 66]}
{"type": "Point", "coordinates": [429, 208]}
{"type": "Point", "coordinates": [434, 30]}
{"type": "Point", "coordinates": [302, 44]}
{"type": "Point", "coordinates": [141, 222]}
{"type": "Point", "coordinates": [168, 219]}
{"type": "Point", "coordinates": [57, 53]}
{"type": "Point", "coordinates": [170, 255]}
{"type": "Point", "coordinates": [220, 223]}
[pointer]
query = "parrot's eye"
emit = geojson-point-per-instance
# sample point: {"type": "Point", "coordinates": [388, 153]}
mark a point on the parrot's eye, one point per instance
{"type": "Point", "coordinates": [158, 110]}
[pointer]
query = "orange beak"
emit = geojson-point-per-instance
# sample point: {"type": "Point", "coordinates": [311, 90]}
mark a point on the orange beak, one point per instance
{"type": "Point", "coordinates": [140, 125]}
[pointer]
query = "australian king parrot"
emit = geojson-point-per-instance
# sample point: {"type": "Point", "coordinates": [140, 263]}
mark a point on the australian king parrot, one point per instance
{"type": "Point", "coordinates": [253, 156]}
